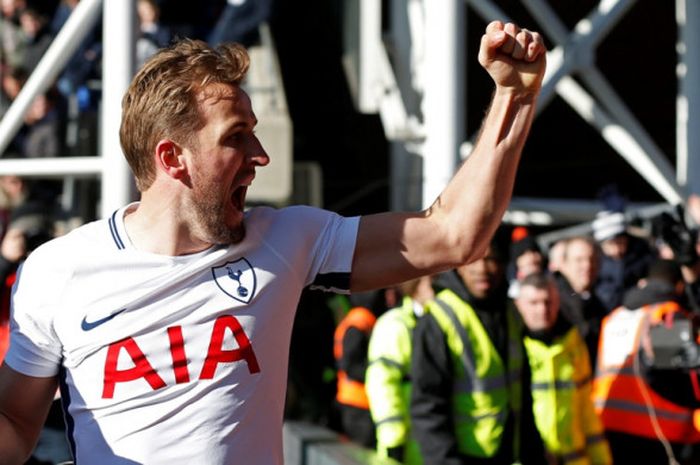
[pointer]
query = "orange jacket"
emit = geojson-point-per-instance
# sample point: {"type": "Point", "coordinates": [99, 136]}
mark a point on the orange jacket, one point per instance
{"type": "Point", "coordinates": [351, 392]}
{"type": "Point", "coordinates": [623, 399]}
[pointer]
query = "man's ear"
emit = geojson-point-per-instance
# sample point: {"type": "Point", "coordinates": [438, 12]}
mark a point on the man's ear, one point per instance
{"type": "Point", "coordinates": [169, 159]}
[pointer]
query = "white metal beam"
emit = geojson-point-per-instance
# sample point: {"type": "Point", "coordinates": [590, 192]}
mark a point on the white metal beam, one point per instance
{"type": "Point", "coordinates": [119, 39]}
{"type": "Point", "coordinates": [444, 97]}
{"type": "Point", "coordinates": [52, 167]}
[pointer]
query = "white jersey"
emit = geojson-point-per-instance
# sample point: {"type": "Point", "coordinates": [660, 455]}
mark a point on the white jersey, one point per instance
{"type": "Point", "coordinates": [174, 360]}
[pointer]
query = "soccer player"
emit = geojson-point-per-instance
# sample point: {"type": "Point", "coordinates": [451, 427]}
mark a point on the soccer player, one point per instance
{"type": "Point", "coordinates": [167, 325]}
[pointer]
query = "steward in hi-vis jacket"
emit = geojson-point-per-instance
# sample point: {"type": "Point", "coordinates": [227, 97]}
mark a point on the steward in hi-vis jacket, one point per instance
{"type": "Point", "coordinates": [388, 378]}
{"type": "Point", "coordinates": [470, 401]}
{"type": "Point", "coordinates": [561, 378]}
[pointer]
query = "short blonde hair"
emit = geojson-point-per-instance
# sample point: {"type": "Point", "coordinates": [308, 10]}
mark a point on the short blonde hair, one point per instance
{"type": "Point", "coordinates": [161, 101]}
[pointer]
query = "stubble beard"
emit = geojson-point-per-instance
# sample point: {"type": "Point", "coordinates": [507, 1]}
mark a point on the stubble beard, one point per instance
{"type": "Point", "coordinates": [209, 211]}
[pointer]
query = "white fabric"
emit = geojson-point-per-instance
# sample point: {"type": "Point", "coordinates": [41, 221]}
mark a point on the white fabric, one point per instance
{"type": "Point", "coordinates": [84, 292]}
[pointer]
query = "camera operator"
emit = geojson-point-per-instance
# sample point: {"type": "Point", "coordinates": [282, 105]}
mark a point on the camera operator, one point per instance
{"type": "Point", "coordinates": [677, 241]}
{"type": "Point", "coordinates": [646, 398]}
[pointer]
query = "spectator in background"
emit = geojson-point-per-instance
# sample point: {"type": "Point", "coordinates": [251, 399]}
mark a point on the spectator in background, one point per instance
{"type": "Point", "coordinates": [525, 258]}
{"type": "Point", "coordinates": [42, 134]}
{"type": "Point", "coordinates": [555, 256]}
{"type": "Point", "coordinates": [350, 343]}
{"type": "Point", "coordinates": [388, 376]}
{"type": "Point", "coordinates": [624, 258]}
{"type": "Point", "coordinates": [240, 20]}
{"type": "Point", "coordinates": [575, 281]}
{"type": "Point", "coordinates": [150, 25]}
{"type": "Point", "coordinates": [13, 79]}
{"type": "Point", "coordinates": [561, 378]}
{"type": "Point", "coordinates": [12, 194]}
{"type": "Point", "coordinates": [85, 62]}
{"type": "Point", "coordinates": [470, 397]}
{"type": "Point", "coordinates": [677, 240]}
{"type": "Point", "coordinates": [153, 34]}
{"type": "Point", "coordinates": [647, 404]}
{"type": "Point", "coordinates": [10, 34]}
{"type": "Point", "coordinates": [36, 36]}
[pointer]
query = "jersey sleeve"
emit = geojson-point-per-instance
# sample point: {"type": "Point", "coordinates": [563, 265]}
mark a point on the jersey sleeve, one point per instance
{"type": "Point", "coordinates": [34, 347]}
{"type": "Point", "coordinates": [332, 260]}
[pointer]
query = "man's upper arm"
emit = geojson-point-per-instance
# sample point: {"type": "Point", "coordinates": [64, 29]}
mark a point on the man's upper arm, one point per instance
{"type": "Point", "coordinates": [395, 247]}
{"type": "Point", "coordinates": [24, 404]}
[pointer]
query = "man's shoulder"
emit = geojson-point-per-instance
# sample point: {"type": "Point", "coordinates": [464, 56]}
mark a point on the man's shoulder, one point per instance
{"type": "Point", "coordinates": [77, 243]}
{"type": "Point", "coordinates": [298, 223]}
{"type": "Point", "coordinates": [293, 214]}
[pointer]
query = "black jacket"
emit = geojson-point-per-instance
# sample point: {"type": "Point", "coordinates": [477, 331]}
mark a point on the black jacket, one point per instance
{"type": "Point", "coordinates": [584, 312]}
{"type": "Point", "coordinates": [431, 408]}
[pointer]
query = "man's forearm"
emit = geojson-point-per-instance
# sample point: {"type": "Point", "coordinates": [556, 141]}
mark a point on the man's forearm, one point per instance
{"type": "Point", "coordinates": [480, 192]}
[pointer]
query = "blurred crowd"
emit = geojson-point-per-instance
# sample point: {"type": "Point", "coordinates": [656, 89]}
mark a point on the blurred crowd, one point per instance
{"type": "Point", "coordinates": [63, 119]}
{"type": "Point", "coordinates": [581, 350]}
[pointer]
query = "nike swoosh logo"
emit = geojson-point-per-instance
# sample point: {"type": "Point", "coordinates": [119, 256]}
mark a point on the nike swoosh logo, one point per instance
{"type": "Point", "coordinates": [90, 325]}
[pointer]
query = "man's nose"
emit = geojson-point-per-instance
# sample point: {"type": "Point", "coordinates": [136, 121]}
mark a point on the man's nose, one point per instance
{"type": "Point", "coordinates": [258, 155]}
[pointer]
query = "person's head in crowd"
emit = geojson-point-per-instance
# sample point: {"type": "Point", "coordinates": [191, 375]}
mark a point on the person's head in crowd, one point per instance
{"type": "Point", "coordinates": [12, 82]}
{"type": "Point", "coordinates": [526, 257]}
{"type": "Point", "coordinates": [10, 8]}
{"type": "Point", "coordinates": [484, 276]}
{"type": "Point", "coordinates": [580, 263]}
{"type": "Point", "coordinates": [538, 301]}
{"type": "Point", "coordinates": [13, 190]}
{"type": "Point", "coordinates": [419, 289]}
{"type": "Point", "coordinates": [32, 21]}
{"type": "Point", "coordinates": [30, 226]}
{"type": "Point", "coordinates": [555, 255]}
{"type": "Point", "coordinates": [665, 273]}
{"type": "Point", "coordinates": [148, 13]}
{"type": "Point", "coordinates": [610, 231]}
{"type": "Point", "coordinates": [40, 107]}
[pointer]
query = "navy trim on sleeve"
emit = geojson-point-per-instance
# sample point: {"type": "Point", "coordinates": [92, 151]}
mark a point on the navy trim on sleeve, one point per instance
{"type": "Point", "coordinates": [65, 403]}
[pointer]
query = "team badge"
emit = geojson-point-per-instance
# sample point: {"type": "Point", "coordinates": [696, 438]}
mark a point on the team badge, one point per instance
{"type": "Point", "coordinates": [236, 279]}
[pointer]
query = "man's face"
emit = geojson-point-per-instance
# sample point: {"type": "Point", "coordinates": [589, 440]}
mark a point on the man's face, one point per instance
{"type": "Point", "coordinates": [221, 164]}
{"type": "Point", "coordinates": [483, 276]}
{"type": "Point", "coordinates": [615, 247]}
{"type": "Point", "coordinates": [538, 307]}
{"type": "Point", "coordinates": [580, 265]}
{"type": "Point", "coordinates": [529, 262]}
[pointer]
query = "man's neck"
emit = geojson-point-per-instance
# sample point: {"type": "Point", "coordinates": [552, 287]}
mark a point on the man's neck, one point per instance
{"type": "Point", "coordinates": [158, 229]}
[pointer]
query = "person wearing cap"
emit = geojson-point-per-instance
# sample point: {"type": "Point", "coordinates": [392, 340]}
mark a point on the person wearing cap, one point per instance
{"type": "Point", "coordinates": [624, 259]}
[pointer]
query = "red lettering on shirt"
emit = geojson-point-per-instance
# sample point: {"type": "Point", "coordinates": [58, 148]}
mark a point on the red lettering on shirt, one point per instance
{"type": "Point", "coordinates": [177, 353]}
{"type": "Point", "coordinates": [142, 368]}
{"type": "Point", "coordinates": [217, 354]}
